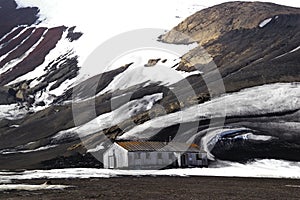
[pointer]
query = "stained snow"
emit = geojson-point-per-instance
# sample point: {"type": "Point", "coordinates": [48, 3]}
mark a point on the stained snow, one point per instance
{"type": "Point", "coordinates": [265, 22]}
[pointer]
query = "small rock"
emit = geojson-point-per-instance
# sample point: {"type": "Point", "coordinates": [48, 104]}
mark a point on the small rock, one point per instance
{"type": "Point", "coordinates": [41, 103]}
{"type": "Point", "coordinates": [152, 62]}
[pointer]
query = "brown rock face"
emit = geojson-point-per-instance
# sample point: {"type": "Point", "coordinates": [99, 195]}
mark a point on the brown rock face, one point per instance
{"type": "Point", "coordinates": [246, 54]}
{"type": "Point", "coordinates": [209, 24]}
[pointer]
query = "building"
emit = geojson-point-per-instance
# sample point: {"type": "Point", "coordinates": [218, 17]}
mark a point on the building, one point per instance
{"type": "Point", "coordinates": [149, 155]}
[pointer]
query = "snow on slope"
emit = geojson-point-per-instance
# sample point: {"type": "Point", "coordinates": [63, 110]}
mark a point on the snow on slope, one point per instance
{"type": "Point", "coordinates": [11, 112]}
{"type": "Point", "coordinates": [109, 119]}
{"type": "Point", "coordinates": [162, 73]}
{"type": "Point", "coordinates": [14, 151]}
{"type": "Point", "coordinates": [264, 99]}
{"type": "Point", "coordinates": [213, 135]}
{"type": "Point", "coordinates": [62, 47]}
{"type": "Point", "coordinates": [120, 16]}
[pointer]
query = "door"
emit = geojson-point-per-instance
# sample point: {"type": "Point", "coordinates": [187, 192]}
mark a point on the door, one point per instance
{"type": "Point", "coordinates": [111, 162]}
{"type": "Point", "coordinates": [183, 160]}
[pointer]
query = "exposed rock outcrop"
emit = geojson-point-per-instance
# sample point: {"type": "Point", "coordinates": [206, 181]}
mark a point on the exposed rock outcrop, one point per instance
{"type": "Point", "coordinates": [152, 62]}
{"type": "Point", "coordinates": [15, 17]}
{"type": "Point", "coordinates": [246, 54]}
{"type": "Point", "coordinates": [211, 23]}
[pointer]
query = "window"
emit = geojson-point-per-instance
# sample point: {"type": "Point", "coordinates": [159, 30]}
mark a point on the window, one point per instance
{"type": "Point", "coordinates": [137, 155]}
{"type": "Point", "coordinates": [147, 155]}
{"type": "Point", "coordinates": [171, 156]}
{"type": "Point", "coordinates": [159, 155]}
{"type": "Point", "coordinates": [199, 157]}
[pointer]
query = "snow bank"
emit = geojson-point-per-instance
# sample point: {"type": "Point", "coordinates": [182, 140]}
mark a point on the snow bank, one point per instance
{"type": "Point", "coordinates": [259, 168]}
{"type": "Point", "coordinates": [31, 187]}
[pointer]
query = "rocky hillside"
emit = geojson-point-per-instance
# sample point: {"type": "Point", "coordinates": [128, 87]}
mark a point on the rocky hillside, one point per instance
{"type": "Point", "coordinates": [251, 43]}
{"type": "Point", "coordinates": [28, 66]}
{"type": "Point", "coordinates": [255, 47]}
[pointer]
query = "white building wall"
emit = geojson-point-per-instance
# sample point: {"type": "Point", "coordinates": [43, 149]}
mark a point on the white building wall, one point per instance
{"type": "Point", "coordinates": [150, 159]}
{"type": "Point", "coordinates": [119, 154]}
{"type": "Point", "coordinates": [121, 158]}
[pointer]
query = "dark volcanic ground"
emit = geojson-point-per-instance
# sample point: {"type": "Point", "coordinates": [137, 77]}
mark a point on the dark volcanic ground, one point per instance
{"type": "Point", "coordinates": [165, 188]}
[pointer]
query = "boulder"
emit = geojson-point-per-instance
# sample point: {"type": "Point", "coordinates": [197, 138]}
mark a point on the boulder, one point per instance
{"type": "Point", "coordinates": [152, 62]}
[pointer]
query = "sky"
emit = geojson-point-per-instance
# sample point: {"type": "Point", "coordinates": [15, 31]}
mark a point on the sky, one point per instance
{"type": "Point", "coordinates": [101, 20]}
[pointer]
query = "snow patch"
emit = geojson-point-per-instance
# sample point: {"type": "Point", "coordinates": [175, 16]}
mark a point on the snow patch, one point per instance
{"type": "Point", "coordinates": [63, 87]}
{"type": "Point", "coordinates": [213, 135]}
{"type": "Point", "coordinates": [251, 136]}
{"type": "Point", "coordinates": [294, 50]}
{"type": "Point", "coordinates": [31, 187]}
{"type": "Point", "coordinates": [97, 148]}
{"type": "Point", "coordinates": [265, 22]}
{"type": "Point", "coordinates": [14, 151]}
{"type": "Point", "coordinates": [112, 118]}
{"type": "Point", "coordinates": [12, 112]}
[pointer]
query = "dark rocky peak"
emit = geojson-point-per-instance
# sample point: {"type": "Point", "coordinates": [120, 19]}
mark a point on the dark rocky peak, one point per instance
{"type": "Point", "coordinates": [11, 17]}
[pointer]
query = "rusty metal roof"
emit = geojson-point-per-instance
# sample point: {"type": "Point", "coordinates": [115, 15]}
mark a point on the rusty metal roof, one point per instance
{"type": "Point", "coordinates": [159, 146]}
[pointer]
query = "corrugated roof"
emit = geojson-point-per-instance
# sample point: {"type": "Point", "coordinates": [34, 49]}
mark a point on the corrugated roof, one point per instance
{"type": "Point", "coordinates": [159, 146]}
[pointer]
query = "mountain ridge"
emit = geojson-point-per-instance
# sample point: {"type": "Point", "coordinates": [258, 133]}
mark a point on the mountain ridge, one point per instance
{"type": "Point", "coordinates": [259, 66]}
